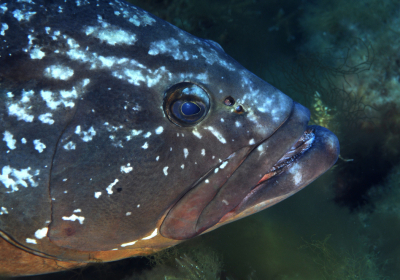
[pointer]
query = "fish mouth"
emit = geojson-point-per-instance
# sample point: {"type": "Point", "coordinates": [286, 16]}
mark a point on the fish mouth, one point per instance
{"type": "Point", "coordinates": [254, 177]}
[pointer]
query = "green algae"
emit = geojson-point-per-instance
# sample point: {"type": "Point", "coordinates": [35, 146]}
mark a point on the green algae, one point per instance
{"type": "Point", "coordinates": [344, 265]}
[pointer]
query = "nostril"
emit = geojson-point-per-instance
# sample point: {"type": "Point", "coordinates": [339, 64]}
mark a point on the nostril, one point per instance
{"type": "Point", "coordinates": [229, 101]}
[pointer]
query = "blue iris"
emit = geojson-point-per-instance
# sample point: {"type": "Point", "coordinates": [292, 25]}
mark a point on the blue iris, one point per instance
{"type": "Point", "coordinates": [190, 108]}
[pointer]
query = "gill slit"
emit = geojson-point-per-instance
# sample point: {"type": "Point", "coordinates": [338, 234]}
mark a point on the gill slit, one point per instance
{"type": "Point", "coordinates": [51, 169]}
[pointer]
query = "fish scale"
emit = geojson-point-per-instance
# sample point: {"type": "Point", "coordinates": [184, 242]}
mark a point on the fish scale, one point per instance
{"type": "Point", "coordinates": [96, 160]}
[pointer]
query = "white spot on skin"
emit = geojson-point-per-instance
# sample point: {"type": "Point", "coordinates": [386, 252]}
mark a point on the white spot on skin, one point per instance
{"type": "Point", "coordinates": [4, 27]}
{"type": "Point", "coordinates": [153, 234]}
{"type": "Point", "coordinates": [30, 240]}
{"type": "Point", "coordinates": [138, 206]}
{"type": "Point", "coordinates": [183, 166]}
{"type": "Point", "coordinates": [216, 134]}
{"type": "Point", "coordinates": [225, 202]}
{"type": "Point", "coordinates": [73, 218]}
{"type": "Point", "coordinates": [19, 15]}
{"type": "Point", "coordinates": [3, 8]}
{"type": "Point", "coordinates": [134, 132]}
{"type": "Point", "coordinates": [85, 83]}
{"type": "Point", "coordinates": [3, 211]}
{"type": "Point", "coordinates": [165, 170]}
{"type": "Point", "coordinates": [185, 152]}
{"type": "Point", "coordinates": [8, 138]}
{"type": "Point", "coordinates": [135, 16]}
{"type": "Point", "coordinates": [159, 130]}
{"type": "Point", "coordinates": [39, 146]}
{"type": "Point", "coordinates": [64, 98]}
{"type": "Point", "coordinates": [196, 133]}
{"type": "Point", "coordinates": [222, 166]}
{"type": "Point", "coordinates": [86, 136]}
{"type": "Point", "coordinates": [20, 113]}
{"type": "Point", "coordinates": [128, 213]}
{"type": "Point", "coordinates": [222, 120]}
{"type": "Point", "coordinates": [26, 96]}
{"type": "Point", "coordinates": [23, 140]}
{"type": "Point", "coordinates": [36, 53]}
{"type": "Point", "coordinates": [97, 194]}
{"type": "Point", "coordinates": [65, 179]}
{"type": "Point", "coordinates": [237, 124]}
{"type": "Point", "coordinates": [252, 142]}
{"type": "Point", "coordinates": [40, 233]}
{"type": "Point", "coordinates": [216, 170]}
{"type": "Point", "coordinates": [207, 181]}
{"type": "Point", "coordinates": [203, 152]}
{"type": "Point", "coordinates": [70, 146]}
{"type": "Point", "coordinates": [110, 186]}
{"type": "Point", "coordinates": [128, 243]}
{"type": "Point", "coordinates": [135, 77]}
{"type": "Point", "coordinates": [145, 146]}
{"type": "Point", "coordinates": [170, 47]}
{"type": "Point", "coordinates": [147, 135]}
{"type": "Point", "coordinates": [46, 118]}
{"type": "Point", "coordinates": [212, 56]}
{"type": "Point", "coordinates": [296, 171]}
{"type": "Point", "coordinates": [126, 169]}
{"type": "Point", "coordinates": [157, 158]}
{"type": "Point", "coordinates": [77, 211]}
{"type": "Point", "coordinates": [111, 34]}
{"type": "Point", "coordinates": [58, 72]}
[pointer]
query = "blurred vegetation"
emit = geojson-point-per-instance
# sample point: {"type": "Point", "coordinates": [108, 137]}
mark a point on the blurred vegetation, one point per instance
{"type": "Point", "coordinates": [335, 17]}
{"type": "Point", "coordinates": [317, 80]}
{"type": "Point", "coordinates": [342, 264]}
{"type": "Point", "coordinates": [181, 263]}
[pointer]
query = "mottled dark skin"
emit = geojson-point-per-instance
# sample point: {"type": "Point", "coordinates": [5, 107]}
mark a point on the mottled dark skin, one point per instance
{"type": "Point", "coordinates": [95, 167]}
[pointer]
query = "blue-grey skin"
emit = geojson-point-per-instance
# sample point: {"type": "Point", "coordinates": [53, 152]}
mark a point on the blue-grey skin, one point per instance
{"type": "Point", "coordinates": [90, 159]}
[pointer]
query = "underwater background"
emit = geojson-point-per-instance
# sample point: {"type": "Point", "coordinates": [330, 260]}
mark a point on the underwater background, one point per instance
{"type": "Point", "coordinates": [341, 59]}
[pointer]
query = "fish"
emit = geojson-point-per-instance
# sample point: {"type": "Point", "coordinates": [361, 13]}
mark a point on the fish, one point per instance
{"type": "Point", "coordinates": [123, 135]}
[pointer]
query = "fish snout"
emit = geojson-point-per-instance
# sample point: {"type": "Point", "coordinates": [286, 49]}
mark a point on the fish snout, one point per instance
{"type": "Point", "coordinates": [225, 187]}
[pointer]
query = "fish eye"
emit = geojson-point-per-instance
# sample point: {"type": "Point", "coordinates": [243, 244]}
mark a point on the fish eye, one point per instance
{"type": "Point", "coordinates": [186, 104]}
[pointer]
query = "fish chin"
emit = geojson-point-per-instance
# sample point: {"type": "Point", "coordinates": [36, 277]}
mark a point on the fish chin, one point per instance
{"type": "Point", "coordinates": [284, 162]}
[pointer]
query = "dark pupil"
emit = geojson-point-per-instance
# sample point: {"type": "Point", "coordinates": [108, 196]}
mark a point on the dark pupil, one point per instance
{"type": "Point", "coordinates": [190, 108]}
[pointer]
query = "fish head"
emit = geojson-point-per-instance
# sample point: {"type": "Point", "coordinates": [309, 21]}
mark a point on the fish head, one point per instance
{"type": "Point", "coordinates": [124, 135]}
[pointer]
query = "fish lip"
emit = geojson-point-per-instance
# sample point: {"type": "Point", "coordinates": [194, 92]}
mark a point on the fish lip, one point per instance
{"type": "Point", "coordinates": [303, 144]}
{"type": "Point", "coordinates": [321, 149]}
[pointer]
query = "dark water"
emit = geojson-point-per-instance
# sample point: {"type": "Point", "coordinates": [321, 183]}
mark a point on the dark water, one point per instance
{"type": "Point", "coordinates": [346, 224]}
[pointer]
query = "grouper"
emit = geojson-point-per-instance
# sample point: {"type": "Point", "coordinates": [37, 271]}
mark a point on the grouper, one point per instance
{"type": "Point", "coordinates": [122, 135]}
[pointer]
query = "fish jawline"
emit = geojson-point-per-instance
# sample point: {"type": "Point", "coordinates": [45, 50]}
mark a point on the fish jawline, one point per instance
{"type": "Point", "coordinates": [312, 155]}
